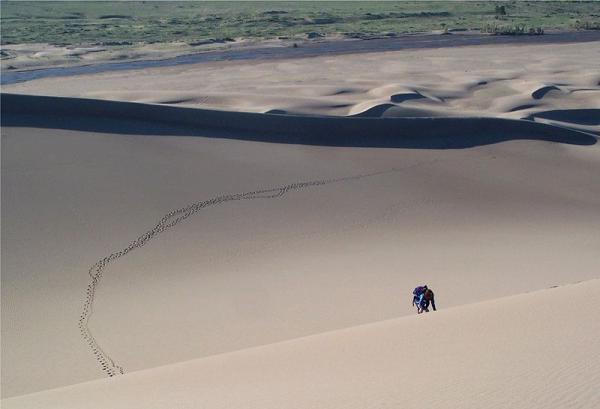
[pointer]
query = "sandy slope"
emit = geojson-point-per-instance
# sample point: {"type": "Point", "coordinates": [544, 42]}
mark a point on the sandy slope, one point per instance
{"type": "Point", "coordinates": [474, 223]}
{"type": "Point", "coordinates": [536, 350]}
{"type": "Point", "coordinates": [514, 81]}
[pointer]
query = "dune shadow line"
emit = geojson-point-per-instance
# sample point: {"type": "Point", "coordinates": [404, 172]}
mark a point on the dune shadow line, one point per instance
{"type": "Point", "coordinates": [416, 133]}
{"type": "Point", "coordinates": [589, 116]}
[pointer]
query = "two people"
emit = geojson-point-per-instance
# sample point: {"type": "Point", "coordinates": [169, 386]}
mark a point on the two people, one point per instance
{"type": "Point", "coordinates": [423, 297]}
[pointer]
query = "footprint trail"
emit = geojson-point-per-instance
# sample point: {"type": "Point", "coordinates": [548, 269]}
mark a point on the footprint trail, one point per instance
{"type": "Point", "coordinates": [171, 219]}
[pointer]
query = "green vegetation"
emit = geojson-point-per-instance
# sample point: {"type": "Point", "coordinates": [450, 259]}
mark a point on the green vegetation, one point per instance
{"type": "Point", "coordinates": [586, 25]}
{"type": "Point", "coordinates": [123, 23]}
{"type": "Point", "coordinates": [512, 30]}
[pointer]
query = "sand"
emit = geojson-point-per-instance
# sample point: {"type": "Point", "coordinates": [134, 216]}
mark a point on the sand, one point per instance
{"type": "Point", "coordinates": [300, 242]}
{"type": "Point", "coordinates": [492, 354]}
{"type": "Point", "coordinates": [508, 81]}
{"type": "Point", "coordinates": [25, 58]}
{"type": "Point", "coordinates": [36, 56]}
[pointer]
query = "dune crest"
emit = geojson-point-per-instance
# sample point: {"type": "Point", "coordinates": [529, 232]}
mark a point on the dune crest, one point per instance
{"type": "Point", "coordinates": [398, 127]}
{"type": "Point", "coordinates": [541, 92]}
{"type": "Point", "coordinates": [478, 351]}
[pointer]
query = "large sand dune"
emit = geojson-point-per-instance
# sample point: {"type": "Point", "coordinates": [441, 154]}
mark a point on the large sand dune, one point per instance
{"type": "Point", "coordinates": [343, 249]}
{"type": "Point", "coordinates": [138, 235]}
{"type": "Point", "coordinates": [536, 350]}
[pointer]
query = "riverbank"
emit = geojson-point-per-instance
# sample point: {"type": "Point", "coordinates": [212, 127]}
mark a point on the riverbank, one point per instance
{"type": "Point", "coordinates": [105, 60]}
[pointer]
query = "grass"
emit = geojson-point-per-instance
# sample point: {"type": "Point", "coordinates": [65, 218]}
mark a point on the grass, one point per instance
{"type": "Point", "coordinates": [84, 22]}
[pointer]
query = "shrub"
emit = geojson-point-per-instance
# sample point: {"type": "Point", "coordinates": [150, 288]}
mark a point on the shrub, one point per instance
{"type": "Point", "coordinates": [512, 30]}
{"type": "Point", "coordinates": [586, 25]}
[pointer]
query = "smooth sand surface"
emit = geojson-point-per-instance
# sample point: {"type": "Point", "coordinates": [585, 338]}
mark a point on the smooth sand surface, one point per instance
{"type": "Point", "coordinates": [249, 242]}
{"type": "Point", "coordinates": [475, 224]}
{"type": "Point", "coordinates": [536, 350]}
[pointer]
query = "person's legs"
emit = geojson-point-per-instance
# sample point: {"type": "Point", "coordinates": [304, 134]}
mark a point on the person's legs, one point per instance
{"type": "Point", "coordinates": [420, 303]}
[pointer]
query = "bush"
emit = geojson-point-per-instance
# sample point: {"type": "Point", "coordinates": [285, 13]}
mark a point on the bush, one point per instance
{"type": "Point", "coordinates": [586, 25]}
{"type": "Point", "coordinates": [511, 30]}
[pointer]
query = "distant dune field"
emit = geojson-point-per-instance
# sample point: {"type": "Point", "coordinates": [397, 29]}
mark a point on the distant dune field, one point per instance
{"type": "Point", "coordinates": [546, 83]}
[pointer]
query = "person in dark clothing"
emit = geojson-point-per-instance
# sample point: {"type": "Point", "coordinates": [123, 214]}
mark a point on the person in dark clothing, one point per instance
{"type": "Point", "coordinates": [428, 298]}
{"type": "Point", "coordinates": [422, 298]}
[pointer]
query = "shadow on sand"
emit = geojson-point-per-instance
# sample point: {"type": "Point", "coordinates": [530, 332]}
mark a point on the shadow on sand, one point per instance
{"type": "Point", "coordinates": [148, 119]}
{"type": "Point", "coordinates": [578, 116]}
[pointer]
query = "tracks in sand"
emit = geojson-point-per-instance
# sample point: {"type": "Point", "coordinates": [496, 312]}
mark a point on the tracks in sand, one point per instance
{"type": "Point", "coordinates": [170, 220]}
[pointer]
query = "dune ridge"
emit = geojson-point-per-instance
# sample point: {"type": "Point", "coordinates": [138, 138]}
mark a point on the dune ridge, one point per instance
{"type": "Point", "coordinates": [423, 132]}
{"type": "Point", "coordinates": [477, 349]}
{"type": "Point", "coordinates": [496, 81]}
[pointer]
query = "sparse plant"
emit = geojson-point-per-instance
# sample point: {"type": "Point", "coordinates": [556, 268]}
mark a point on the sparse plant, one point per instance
{"type": "Point", "coordinates": [517, 29]}
{"type": "Point", "coordinates": [586, 25]}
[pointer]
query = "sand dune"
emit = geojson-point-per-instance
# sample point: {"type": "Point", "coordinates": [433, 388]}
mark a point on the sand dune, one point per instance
{"type": "Point", "coordinates": [539, 93]}
{"type": "Point", "coordinates": [533, 350]}
{"type": "Point", "coordinates": [501, 81]}
{"type": "Point", "coordinates": [498, 218]}
{"type": "Point", "coordinates": [162, 215]}
{"type": "Point", "coordinates": [388, 131]}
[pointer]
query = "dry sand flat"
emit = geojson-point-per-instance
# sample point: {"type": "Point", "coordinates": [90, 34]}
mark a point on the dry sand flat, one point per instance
{"type": "Point", "coordinates": [514, 81]}
{"type": "Point", "coordinates": [249, 241]}
{"type": "Point", "coordinates": [537, 350]}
